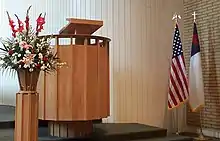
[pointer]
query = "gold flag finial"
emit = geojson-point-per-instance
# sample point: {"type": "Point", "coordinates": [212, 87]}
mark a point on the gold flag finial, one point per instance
{"type": "Point", "coordinates": [176, 17]}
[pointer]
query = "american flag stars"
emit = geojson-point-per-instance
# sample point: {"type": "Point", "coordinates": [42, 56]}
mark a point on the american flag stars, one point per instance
{"type": "Point", "coordinates": [177, 45]}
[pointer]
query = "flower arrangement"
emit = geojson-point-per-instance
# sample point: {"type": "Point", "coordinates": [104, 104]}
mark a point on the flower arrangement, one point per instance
{"type": "Point", "coordinates": [25, 49]}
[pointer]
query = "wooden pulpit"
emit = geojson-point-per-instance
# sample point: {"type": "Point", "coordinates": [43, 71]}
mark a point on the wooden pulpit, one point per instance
{"type": "Point", "coordinates": [77, 93]}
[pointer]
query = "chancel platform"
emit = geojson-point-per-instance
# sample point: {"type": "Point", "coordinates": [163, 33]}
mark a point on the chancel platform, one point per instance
{"type": "Point", "coordinates": [102, 131]}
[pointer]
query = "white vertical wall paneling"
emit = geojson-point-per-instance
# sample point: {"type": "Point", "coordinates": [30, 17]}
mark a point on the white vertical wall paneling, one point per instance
{"type": "Point", "coordinates": [127, 46]}
{"type": "Point", "coordinates": [88, 10]}
{"type": "Point", "coordinates": [141, 62]}
{"type": "Point", "coordinates": [121, 50]}
{"type": "Point", "coordinates": [2, 5]}
{"type": "Point", "coordinates": [110, 32]}
{"type": "Point", "coordinates": [134, 48]}
{"type": "Point", "coordinates": [114, 55]}
{"type": "Point", "coordinates": [144, 58]}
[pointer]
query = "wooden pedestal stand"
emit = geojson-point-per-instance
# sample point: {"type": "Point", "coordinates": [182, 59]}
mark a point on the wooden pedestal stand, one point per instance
{"type": "Point", "coordinates": [26, 114]}
{"type": "Point", "coordinates": [26, 119]}
{"type": "Point", "coordinates": [78, 93]}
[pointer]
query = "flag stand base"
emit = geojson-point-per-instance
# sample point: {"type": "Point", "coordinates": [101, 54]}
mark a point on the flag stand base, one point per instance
{"type": "Point", "coordinates": [177, 133]}
{"type": "Point", "coordinates": [201, 138]}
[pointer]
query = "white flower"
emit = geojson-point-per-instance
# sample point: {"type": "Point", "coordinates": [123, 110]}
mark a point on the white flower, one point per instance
{"type": "Point", "coordinates": [42, 67]}
{"type": "Point", "coordinates": [19, 55]}
{"type": "Point", "coordinates": [1, 62]}
{"type": "Point", "coordinates": [26, 66]}
{"type": "Point", "coordinates": [21, 48]}
{"type": "Point", "coordinates": [14, 54]}
{"type": "Point", "coordinates": [27, 52]}
{"type": "Point", "coordinates": [19, 66]}
{"type": "Point", "coordinates": [40, 55]}
{"type": "Point", "coordinates": [17, 34]}
{"type": "Point", "coordinates": [15, 61]}
{"type": "Point", "coordinates": [6, 44]}
{"type": "Point", "coordinates": [48, 65]}
{"type": "Point", "coordinates": [31, 69]}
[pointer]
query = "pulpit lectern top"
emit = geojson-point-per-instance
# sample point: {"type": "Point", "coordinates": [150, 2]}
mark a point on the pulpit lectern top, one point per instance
{"type": "Point", "coordinates": [81, 26]}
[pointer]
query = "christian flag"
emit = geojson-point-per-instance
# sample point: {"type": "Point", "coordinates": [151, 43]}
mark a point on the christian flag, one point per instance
{"type": "Point", "coordinates": [196, 86]}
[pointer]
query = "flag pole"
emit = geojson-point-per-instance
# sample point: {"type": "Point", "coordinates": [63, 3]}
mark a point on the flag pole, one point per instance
{"type": "Point", "coordinates": [201, 135]}
{"type": "Point", "coordinates": [176, 19]}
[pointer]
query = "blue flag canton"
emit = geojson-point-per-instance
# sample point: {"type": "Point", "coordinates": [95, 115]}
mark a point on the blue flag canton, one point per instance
{"type": "Point", "coordinates": [177, 44]}
{"type": "Point", "coordinates": [195, 42]}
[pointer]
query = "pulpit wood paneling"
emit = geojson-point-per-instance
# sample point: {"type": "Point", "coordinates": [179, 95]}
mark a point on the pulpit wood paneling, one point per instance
{"type": "Point", "coordinates": [80, 90]}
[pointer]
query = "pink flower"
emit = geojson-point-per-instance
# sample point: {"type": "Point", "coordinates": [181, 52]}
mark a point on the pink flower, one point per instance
{"type": "Point", "coordinates": [25, 45]}
{"type": "Point", "coordinates": [28, 46]}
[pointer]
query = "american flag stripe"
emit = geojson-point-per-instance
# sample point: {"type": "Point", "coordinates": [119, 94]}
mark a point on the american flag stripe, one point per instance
{"type": "Point", "coordinates": [177, 92]}
{"type": "Point", "coordinates": [172, 97]}
{"type": "Point", "coordinates": [184, 65]}
{"type": "Point", "coordinates": [172, 94]}
{"type": "Point", "coordinates": [179, 76]}
{"type": "Point", "coordinates": [181, 63]}
{"type": "Point", "coordinates": [169, 105]}
{"type": "Point", "coordinates": [178, 87]}
{"type": "Point", "coordinates": [183, 74]}
{"type": "Point", "coordinates": [170, 102]}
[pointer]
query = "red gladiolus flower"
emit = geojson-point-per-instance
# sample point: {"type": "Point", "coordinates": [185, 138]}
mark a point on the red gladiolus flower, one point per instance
{"type": "Point", "coordinates": [27, 23]}
{"type": "Point", "coordinates": [45, 59]}
{"type": "Point", "coordinates": [11, 23]}
{"type": "Point", "coordinates": [20, 25]}
{"type": "Point", "coordinates": [14, 34]}
{"type": "Point", "coordinates": [40, 23]}
{"type": "Point", "coordinates": [10, 52]}
{"type": "Point", "coordinates": [27, 20]}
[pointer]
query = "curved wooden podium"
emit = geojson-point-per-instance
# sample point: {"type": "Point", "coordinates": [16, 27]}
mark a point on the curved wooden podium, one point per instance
{"type": "Point", "coordinates": [77, 94]}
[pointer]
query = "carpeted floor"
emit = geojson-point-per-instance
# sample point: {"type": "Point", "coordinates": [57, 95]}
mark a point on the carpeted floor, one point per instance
{"type": "Point", "coordinates": [102, 132]}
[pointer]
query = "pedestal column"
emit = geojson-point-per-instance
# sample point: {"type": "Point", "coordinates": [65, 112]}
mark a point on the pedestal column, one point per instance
{"type": "Point", "coordinates": [26, 116]}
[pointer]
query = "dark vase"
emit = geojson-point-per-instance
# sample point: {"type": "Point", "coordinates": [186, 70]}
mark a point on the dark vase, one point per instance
{"type": "Point", "coordinates": [28, 80]}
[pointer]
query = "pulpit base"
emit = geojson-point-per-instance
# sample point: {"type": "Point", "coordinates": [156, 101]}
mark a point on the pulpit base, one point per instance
{"type": "Point", "coordinates": [70, 129]}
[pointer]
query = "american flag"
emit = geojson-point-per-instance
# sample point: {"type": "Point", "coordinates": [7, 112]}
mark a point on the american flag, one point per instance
{"type": "Point", "coordinates": [178, 83]}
